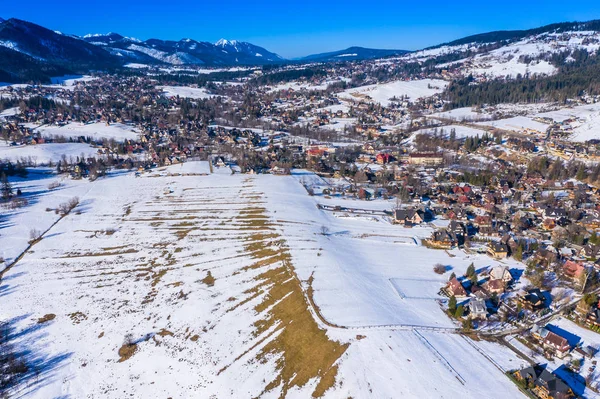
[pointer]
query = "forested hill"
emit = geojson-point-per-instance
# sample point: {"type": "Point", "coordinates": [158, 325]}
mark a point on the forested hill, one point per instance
{"type": "Point", "coordinates": [581, 76]}
{"type": "Point", "coordinates": [512, 35]}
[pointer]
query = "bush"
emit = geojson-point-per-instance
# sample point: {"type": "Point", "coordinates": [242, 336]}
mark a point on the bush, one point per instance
{"type": "Point", "coordinates": [34, 235]}
{"type": "Point", "coordinates": [54, 185]}
{"type": "Point", "coordinates": [16, 203]}
{"type": "Point", "coordinates": [68, 206]}
{"type": "Point", "coordinates": [439, 268]}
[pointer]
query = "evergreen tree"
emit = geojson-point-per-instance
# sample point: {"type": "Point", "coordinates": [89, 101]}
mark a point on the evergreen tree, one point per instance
{"type": "Point", "coordinates": [459, 311]}
{"type": "Point", "coordinates": [470, 270]}
{"type": "Point", "coordinates": [5, 187]}
{"type": "Point", "coordinates": [452, 304]}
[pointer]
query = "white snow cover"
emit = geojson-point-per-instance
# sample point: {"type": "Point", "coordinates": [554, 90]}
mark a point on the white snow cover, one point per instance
{"type": "Point", "coordinates": [9, 112]}
{"type": "Point", "coordinates": [585, 120]}
{"type": "Point", "coordinates": [184, 91]}
{"type": "Point", "coordinates": [518, 124]}
{"type": "Point", "coordinates": [459, 130]}
{"type": "Point", "coordinates": [382, 93]}
{"type": "Point", "coordinates": [97, 131]}
{"type": "Point", "coordinates": [100, 288]}
{"type": "Point", "coordinates": [43, 154]}
{"type": "Point", "coordinates": [462, 114]}
{"type": "Point", "coordinates": [71, 80]}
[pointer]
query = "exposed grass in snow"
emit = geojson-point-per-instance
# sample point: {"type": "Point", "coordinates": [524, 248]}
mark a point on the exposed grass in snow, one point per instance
{"type": "Point", "coordinates": [303, 349]}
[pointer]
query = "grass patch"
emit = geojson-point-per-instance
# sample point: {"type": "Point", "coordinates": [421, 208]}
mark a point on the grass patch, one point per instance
{"type": "Point", "coordinates": [126, 351]}
{"type": "Point", "coordinates": [303, 350]}
{"type": "Point", "coordinates": [77, 317]}
{"type": "Point", "coordinates": [165, 333]}
{"type": "Point", "coordinates": [46, 318]}
{"type": "Point", "coordinates": [209, 280]}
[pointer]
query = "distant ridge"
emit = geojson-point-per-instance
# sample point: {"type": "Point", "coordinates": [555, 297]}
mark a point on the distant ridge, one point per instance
{"type": "Point", "coordinates": [512, 35]}
{"type": "Point", "coordinates": [352, 54]}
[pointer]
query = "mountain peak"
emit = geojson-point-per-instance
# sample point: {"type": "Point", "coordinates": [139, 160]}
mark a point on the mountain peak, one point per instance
{"type": "Point", "coordinates": [226, 43]}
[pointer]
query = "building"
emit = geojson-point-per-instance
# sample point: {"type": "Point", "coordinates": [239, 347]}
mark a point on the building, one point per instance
{"type": "Point", "coordinates": [501, 272]}
{"type": "Point", "coordinates": [426, 159]}
{"type": "Point", "coordinates": [411, 216]}
{"type": "Point", "coordinates": [455, 288]}
{"type": "Point", "coordinates": [556, 344]}
{"type": "Point", "coordinates": [477, 309]}
{"type": "Point", "coordinates": [497, 250]}
{"type": "Point", "coordinates": [543, 384]}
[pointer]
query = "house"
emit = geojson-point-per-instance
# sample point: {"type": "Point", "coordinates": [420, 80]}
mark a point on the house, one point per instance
{"type": "Point", "coordinates": [412, 216]}
{"type": "Point", "coordinates": [383, 158]}
{"type": "Point", "coordinates": [409, 216]}
{"type": "Point", "coordinates": [573, 270]}
{"type": "Point", "coordinates": [497, 250]}
{"type": "Point", "coordinates": [539, 333]}
{"type": "Point", "coordinates": [443, 239]}
{"type": "Point", "coordinates": [543, 384]}
{"type": "Point", "coordinates": [477, 309]}
{"type": "Point", "coordinates": [495, 286]}
{"type": "Point", "coordinates": [501, 272]}
{"type": "Point", "coordinates": [556, 344]}
{"type": "Point", "coordinates": [554, 213]}
{"type": "Point", "coordinates": [425, 159]}
{"type": "Point", "coordinates": [532, 299]}
{"type": "Point", "coordinates": [593, 318]}
{"type": "Point", "coordinates": [455, 288]}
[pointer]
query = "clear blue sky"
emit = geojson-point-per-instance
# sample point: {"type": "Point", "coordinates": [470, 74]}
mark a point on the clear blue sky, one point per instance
{"type": "Point", "coordinates": [292, 28]}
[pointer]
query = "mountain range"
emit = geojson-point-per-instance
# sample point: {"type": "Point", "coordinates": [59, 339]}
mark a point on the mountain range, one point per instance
{"type": "Point", "coordinates": [29, 52]}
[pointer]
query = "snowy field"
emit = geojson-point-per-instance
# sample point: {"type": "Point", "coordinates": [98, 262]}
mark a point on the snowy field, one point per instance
{"type": "Point", "coordinates": [298, 85]}
{"type": "Point", "coordinates": [69, 81]}
{"type": "Point", "coordinates": [462, 114]}
{"type": "Point", "coordinates": [43, 154]}
{"type": "Point", "coordinates": [585, 121]}
{"type": "Point", "coordinates": [459, 130]}
{"type": "Point", "coordinates": [183, 91]}
{"type": "Point", "coordinates": [227, 287]}
{"type": "Point", "coordinates": [518, 124]}
{"type": "Point", "coordinates": [97, 131]}
{"type": "Point", "coordinates": [382, 93]}
{"type": "Point", "coordinates": [9, 112]}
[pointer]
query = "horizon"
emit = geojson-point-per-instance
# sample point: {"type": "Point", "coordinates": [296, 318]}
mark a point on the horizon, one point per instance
{"type": "Point", "coordinates": [321, 29]}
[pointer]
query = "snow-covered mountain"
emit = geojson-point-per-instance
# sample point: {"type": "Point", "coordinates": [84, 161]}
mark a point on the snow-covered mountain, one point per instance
{"type": "Point", "coordinates": [184, 51]}
{"type": "Point", "coordinates": [32, 52]}
{"type": "Point", "coordinates": [511, 53]}
{"type": "Point", "coordinates": [245, 48]}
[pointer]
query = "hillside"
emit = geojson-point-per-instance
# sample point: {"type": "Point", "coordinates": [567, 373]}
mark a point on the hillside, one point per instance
{"type": "Point", "coordinates": [352, 54]}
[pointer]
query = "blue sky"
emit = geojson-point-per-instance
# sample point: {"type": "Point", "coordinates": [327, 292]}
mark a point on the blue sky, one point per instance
{"type": "Point", "coordinates": [292, 28]}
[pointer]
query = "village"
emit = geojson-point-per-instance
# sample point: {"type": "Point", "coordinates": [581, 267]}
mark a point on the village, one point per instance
{"type": "Point", "coordinates": [502, 182]}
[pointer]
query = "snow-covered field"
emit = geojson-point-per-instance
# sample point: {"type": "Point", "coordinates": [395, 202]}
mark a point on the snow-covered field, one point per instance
{"type": "Point", "coordinates": [9, 112]}
{"type": "Point", "coordinates": [459, 130]}
{"type": "Point", "coordinates": [286, 311]}
{"type": "Point", "coordinates": [518, 124]}
{"type": "Point", "coordinates": [184, 91]}
{"type": "Point", "coordinates": [585, 120]}
{"type": "Point", "coordinates": [42, 154]}
{"type": "Point", "coordinates": [97, 131]}
{"type": "Point", "coordinates": [69, 81]}
{"type": "Point", "coordinates": [462, 114]}
{"type": "Point", "coordinates": [382, 93]}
